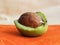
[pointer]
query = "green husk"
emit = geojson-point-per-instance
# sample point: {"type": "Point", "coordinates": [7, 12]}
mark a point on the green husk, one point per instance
{"type": "Point", "coordinates": [28, 31]}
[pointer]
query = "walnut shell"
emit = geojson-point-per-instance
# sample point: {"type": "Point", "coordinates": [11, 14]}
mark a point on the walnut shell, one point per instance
{"type": "Point", "coordinates": [30, 19]}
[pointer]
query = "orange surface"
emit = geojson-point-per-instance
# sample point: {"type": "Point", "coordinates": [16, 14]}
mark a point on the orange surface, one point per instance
{"type": "Point", "coordinates": [9, 35]}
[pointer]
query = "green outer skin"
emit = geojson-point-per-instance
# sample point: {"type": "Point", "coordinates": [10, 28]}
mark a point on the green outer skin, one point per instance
{"type": "Point", "coordinates": [28, 31]}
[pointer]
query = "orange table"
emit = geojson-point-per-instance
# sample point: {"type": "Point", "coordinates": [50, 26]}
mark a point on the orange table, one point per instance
{"type": "Point", "coordinates": [9, 35]}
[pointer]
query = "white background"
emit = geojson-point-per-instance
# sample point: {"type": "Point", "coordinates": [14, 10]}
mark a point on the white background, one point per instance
{"type": "Point", "coordinates": [12, 9]}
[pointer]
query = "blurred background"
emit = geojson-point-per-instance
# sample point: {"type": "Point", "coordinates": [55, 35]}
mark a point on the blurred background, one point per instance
{"type": "Point", "coordinates": [12, 9]}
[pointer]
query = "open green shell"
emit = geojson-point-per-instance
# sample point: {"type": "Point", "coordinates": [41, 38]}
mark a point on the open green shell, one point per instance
{"type": "Point", "coordinates": [28, 31]}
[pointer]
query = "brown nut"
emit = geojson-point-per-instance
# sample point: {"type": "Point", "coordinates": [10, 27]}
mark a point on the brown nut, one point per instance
{"type": "Point", "coordinates": [30, 19]}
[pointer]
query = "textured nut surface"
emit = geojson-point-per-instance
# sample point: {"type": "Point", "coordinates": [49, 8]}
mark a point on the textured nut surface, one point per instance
{"type": "Point", "coordinates": [30, 19]}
